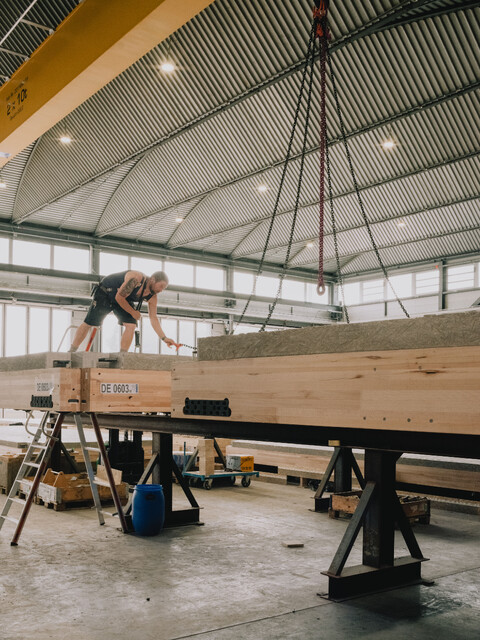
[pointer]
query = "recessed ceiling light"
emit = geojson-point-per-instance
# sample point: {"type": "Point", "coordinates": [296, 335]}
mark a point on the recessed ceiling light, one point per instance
{"type": "Point", "coordinates": [179, 219]}
{"type": "Point", "coordinates": [388, 144]}
{"type": "Point", "coordinates": [309, 245]}
{"type": "Point", "coordinates": [402, 223]}
{"type": "Point", "coordinates": [167, 67]}
{"type": "Point", "coordinates": [3, 185]}
{"type": "Point", "coordinates": [65, 139]}
{"type": "Point", "coordinates": [262, 188]}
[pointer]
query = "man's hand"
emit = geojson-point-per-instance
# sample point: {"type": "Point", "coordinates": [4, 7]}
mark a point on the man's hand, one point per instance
{"type": "Point", "coordinates": [136, 315]}
{"type": "Point", "coordinates": [169, 342]}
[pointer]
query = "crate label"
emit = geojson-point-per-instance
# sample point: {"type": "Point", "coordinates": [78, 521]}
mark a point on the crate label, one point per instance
{"type": "Point", "coordinates": [119, 387]}
{"type": "Point", "coordinates": [44, 385]}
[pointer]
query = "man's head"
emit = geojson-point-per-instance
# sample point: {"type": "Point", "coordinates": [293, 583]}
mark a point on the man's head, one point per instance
{"type": "Point", "coordinates": [158, 281]}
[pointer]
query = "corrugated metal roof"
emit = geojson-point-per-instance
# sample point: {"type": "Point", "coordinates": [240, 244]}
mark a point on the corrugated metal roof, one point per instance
{"type": "Point", "coordinates": [149, 147]}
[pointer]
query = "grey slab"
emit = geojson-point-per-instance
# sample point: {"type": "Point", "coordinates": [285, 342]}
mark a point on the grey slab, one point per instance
{"type": "Point", "coordinates": [46, 360]}
{"type": "Point", "coordinates": [442, 330]}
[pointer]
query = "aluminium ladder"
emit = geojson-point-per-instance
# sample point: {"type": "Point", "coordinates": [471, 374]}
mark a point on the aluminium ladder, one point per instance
{"type": "Point", "coordinates": [38, 455]}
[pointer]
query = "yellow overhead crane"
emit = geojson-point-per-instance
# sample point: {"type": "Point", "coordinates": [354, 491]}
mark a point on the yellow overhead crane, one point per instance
{"type": "Point", "coordinates": [97, 41]}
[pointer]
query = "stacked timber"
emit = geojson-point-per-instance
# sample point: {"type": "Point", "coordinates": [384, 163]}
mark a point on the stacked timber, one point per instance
{"type": "Point", "coordinates": [420, 375]}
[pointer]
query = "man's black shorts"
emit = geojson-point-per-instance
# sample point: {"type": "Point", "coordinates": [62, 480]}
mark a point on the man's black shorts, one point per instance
{"type": "Point", "coordinates": [101, 306]}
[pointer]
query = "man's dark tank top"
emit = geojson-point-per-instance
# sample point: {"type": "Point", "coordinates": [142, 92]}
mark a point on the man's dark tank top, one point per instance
{"type": "Point", "coordinates": [112, 283]}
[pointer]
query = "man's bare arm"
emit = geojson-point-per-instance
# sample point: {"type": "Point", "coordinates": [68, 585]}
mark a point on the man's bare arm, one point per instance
{"type": "Point", "coordinates": [132, 280]}
{"type": "Point", "coordinates": [152, 314]}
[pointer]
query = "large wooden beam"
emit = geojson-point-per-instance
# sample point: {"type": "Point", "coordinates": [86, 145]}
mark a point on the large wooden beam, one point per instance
{"type": "Point", "coordinates": [95, 43]}
{"type": "Point", "coordinates": [421, 390]}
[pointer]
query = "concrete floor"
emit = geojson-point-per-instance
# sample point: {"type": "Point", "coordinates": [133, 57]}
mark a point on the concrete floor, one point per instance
{"type": "Point", "coordinates": [232, 578]}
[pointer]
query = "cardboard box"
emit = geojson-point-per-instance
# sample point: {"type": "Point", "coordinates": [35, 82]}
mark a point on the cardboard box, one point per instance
{"type": "Point", "coordinates": [236, 462]}
{"type": "Point", "coordinates": [206, 457]}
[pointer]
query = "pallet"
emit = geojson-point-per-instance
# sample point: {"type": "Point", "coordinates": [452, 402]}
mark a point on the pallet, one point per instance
{"type": "Point", "coordinates": [416, 509]}
{"type": "Point", "coordinates": [79, 504]}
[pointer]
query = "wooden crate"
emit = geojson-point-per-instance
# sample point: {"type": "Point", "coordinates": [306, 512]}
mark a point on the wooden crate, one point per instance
{"type": "Point", "coordinates": [62, 490]}
{"type": "Point", "coordinates": [57, 388]}
{"type": "Point", "coordinates": [414, 507]}
{"type": "Point", "coordinates": [428, 390]}
{"type": "Point", "coordinates": [9, 466]}
{"type": "Point", "coordinates": [126, 390]}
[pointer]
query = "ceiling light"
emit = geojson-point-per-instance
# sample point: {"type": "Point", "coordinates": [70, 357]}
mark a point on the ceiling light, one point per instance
{"type": "Point", "coordinates": [309, 245]}
{"type": "Point", "coordinates": [388, 144]}
{"type": "Point", "coordinates": [402, 223]}
{"type": "Point", "coordinates": [178, 219]}
{"type": "Point", "coordinates": [167, 67]}
{"type": "Point", "coordinates": [3, 185]}
{"type": "Point", "coordinates": [65, 139]}
{"type": "Point", "coordinates": [262, 188]}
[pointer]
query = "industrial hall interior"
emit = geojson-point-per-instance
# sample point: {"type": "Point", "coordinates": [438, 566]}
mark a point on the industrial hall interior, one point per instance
{"type": "Point", "coordinates": [239, 319]}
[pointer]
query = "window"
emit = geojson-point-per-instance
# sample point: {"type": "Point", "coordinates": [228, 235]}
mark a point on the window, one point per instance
{"type": "Point", "coordinates": [312, 295]}
{"type": "Point", "coordinates": [112, 263]}
{"type": "Point", "coordinates": [146, 265]}
{"type": "Point", "coordinates": [351, 291]}
{"type": "Point", "coordinates": [267, 286]}
{"type": "Point", "coordinates": [402, 284]}
{"type": "Point", "coordinates": [186, 335]}
{"type": "Point", "coordinates": [373, 290]}
{"type": "Point", "coordinates": [71, 259]}
{"type": "Point", "coordinates": [293, 290]}
{"type": "Point", "coordinates": [170, 328]}
{"type": "Point", "coordinates": [111, 334]}
{"type": "Point", "coordinates": [427, 282]}
{"type": "Point", "coordinates": [1, 329]}
{"type": "Point", "coordinates": [39, 330]}
{"type": "Point", "coordinates": [31, 254]}
{"type": "Point", "coordinates": [245, 328]}
{"type": "Point", "coordinates": [15, 330]}
{"type": "Point", "coordinates": [179, 274]}
{"type": "Point", "coordinates": [149, 337]}
{"type": "Point", "coordinates": [61, 320]}
{"type": "Point", "coordinates": [210, 278]}
{"type": "Point", "coordinates": [242, 282]}
{"type": "Point", "coordinates": [461, 277]}
{"type": "Point", "coordinates": [4, 257]}
{"type": "Point", "coordinates": [204, 330]}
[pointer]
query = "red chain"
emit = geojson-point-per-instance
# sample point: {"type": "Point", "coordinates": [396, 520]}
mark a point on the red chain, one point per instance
{"type": "Point", "coordinates": [322, 34]}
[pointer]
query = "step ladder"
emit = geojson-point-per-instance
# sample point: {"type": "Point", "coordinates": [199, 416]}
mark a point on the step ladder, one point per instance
{"type": "Point", "coordinates": [37, 457]}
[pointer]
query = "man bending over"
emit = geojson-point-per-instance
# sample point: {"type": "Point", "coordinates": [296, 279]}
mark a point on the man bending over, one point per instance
{"type": "Point", "coordinates": [123, 293]}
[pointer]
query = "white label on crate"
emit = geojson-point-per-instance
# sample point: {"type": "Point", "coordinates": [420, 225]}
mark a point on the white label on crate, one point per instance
{"type": "Point", "coordinates": [44, 385]}
{"type": "Point", "coordinates": [119, 387]}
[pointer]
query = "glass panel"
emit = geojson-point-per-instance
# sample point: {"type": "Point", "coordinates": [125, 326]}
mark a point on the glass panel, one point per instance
{"type": "Point", "coordinates": [351, 291]}
{"type": "Point", "coordinates": [204, 330]}
{"type": "Point", "coordinates": [3, 249]}
{"type": "Point", "coordinates": [31, 254]}
{"type": "Point", "coordinates": [15, 330]}
{"type": "Point", "coordinates": [149, 337]}
{"type": "Point", "coordinates": [245, 328]}
{"type": "Point", "coordinates": [61, 320]}
{"type": "Point", "coordinates": [1, 329]}
{"type": "Point", "coordinates": [402, 285]}
{"type": "Point", "coordinates": [427, 281]}
{"type": "Point", "coordinates": [373, 290]}
{"type": "Point", "coordinates": [179, 274]}
{"type": "Point", "coordinates": [39, 330]}
{"type": "Point", "coordinates": [112, 263]}
{"type": "Point", "coordinates": [267, 286]}
{"type": "Point", "coordinates": [111, 333]}
{"type": "Point", "coordinates": [71, 259]}
{"type": "Point", "coordinates": [210, 278]}
{"type": "Point", "coordinates": [461, 277]}
{"type": "Point", "coordinates": [312, 295]}
{"type": "Point", "coordinates": [170, 328]}
{"type": "Point", "coordinates": [293, 290]}
{"type": "Point", "coordinates": [186, 335]}
{"type": "Point", "coordinates": [242, 282]}
{"type": "Point", "coordinates": [146, 265]}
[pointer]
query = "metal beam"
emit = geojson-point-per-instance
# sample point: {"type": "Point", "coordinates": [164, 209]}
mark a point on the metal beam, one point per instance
{"type": "Point", "coordinates": [100, 40]}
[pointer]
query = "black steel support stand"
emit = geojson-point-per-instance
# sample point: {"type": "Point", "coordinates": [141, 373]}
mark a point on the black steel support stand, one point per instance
{"type": "Point", "coordinates": [377, 512]}
{"type": "Point", "coordinates": [341, 464]}
{"type": "Point", "coordinates": [161, 467]}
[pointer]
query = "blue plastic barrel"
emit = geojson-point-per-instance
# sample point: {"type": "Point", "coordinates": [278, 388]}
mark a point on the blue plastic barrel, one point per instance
{"type": "Point", "coordinates": [148, 509]}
